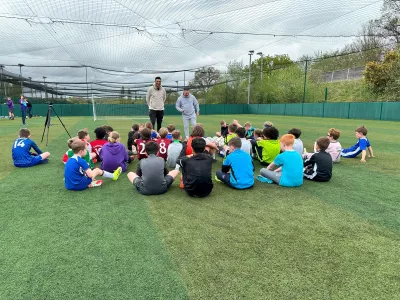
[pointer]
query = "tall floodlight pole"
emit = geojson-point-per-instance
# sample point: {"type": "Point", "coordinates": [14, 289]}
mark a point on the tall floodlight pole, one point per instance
{"type": "Point", "coordinates": [2, 84]}
{"type": "Point", "coordinates": [57, 91]}
{"type": "Point", "coordinates": [30, 82]}
{"type": "Point", "coordinates": [176, 85]}
{"type": "Point", "coordinates": [184, 78]}
{"type": "Point", "coordinates": [20, 76]}
{"type": "Point", "coordinates": [251, 52]}
{"type": "Point", "coordinates": [262, 62]}
{"type": "Point", "coordinates": [45, 92]}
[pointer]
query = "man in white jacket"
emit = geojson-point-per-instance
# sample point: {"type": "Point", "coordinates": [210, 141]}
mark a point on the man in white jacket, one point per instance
{"type": "Point", "coordinates": [155, 99]}
{"type": "Point", "coordinates": [188, 105]}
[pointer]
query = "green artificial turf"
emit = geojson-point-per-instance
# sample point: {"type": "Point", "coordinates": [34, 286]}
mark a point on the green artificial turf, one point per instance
{"type": "Point", "coordinates": [336, 240]}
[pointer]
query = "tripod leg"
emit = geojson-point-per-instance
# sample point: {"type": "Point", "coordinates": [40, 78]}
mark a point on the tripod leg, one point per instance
{"type": "Point", "coordinates": [46, 124]}
{"type": "Point", "coordinates": [61, 123]}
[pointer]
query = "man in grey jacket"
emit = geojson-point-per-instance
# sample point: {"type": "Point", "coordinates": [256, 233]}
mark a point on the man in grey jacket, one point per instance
{"type": "Point", "coordinates": [155, 99]}
{"type": "Point", "coordinates": [189, 107]}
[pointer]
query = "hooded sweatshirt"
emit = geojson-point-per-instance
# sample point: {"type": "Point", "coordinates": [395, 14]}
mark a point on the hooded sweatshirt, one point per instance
{"type": "Point", "coordinates": [113, 155]}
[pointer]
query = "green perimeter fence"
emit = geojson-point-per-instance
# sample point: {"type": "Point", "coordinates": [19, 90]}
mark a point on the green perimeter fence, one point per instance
{"type": "Point", "coordinates": [389, 111]}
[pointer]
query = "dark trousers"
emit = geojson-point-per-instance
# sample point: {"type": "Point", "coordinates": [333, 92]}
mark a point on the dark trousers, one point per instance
{"type": "Point", "coordinates": [224, 177]}
{"type": "Point", "coordinates": [156, 115]}
{"type": "Point", "coordinates": [258, 152]}
{"type": "Point", "coordinates": [23, 116]}
{"type": "Point", "coordinates": [29, 112]}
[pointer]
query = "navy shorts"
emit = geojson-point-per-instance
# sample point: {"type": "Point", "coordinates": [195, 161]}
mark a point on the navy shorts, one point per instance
{"type": "Point", "coordinates": [35, 160]}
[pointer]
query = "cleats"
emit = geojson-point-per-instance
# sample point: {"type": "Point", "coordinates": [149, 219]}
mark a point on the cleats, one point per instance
{"type": "Point", "coordinates": [261, 178]}
{"type": "Point", "coordinates": [116, 173]}
{"type": "Point", "coordinates": [96, 183]}
{"type": "Point", "coordinates": [216, 179]}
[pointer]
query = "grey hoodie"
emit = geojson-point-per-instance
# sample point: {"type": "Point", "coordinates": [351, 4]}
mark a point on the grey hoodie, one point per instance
{"type": "Point", "coordinates": [187, 105]}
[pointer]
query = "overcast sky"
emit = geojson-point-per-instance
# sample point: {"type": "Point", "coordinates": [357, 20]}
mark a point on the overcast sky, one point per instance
{"type": "Point", "coordinates": [167, 35]}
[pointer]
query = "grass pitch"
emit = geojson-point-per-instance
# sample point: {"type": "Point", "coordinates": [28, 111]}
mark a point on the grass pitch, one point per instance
{"type": "Point", "coordinates": [336, 240]}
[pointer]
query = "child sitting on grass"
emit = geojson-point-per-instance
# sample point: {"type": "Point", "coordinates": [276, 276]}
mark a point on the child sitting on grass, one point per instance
{"type": "Point", "coordinates": [108, 130]}
{"type": "Point", "coordinates": [318, 166]}
{"type": "Point", "coordinates": [174, 149]}
{"type": "Point", "coordinates": [154, 133]}
{"type": "Point", "coordinates": [267, 147]}
{"type": "Point", "coordinates": [131, 141]}
{"type": "Point", "coordinates": [83, 135]}
{"type": "Point", "coordinates": [246, 145]}
{"type": "Point", "coordinates": [360, 147]}
{"type": "Point", "coordinates": [170, 128]}
{"type": "Point", "coordinates": [247, 126]}
{"type": "Point", "coordinates": [224, 130]}
{"type": "Point", "coordinates": [21, 151]}
{"type": "Point", "coordinates": [198, 132]}
{"type": "Point", "coordinates": [231, 133]}
{"type": "Point", "coordinates": [298, 144]}
{"type": "Point", "coordinates": [77, 174]}
{"type": "Point", "coordinates": [197, 170]}
{"type": "Point", "coordinates": [290, 166]}
{"type": "Point", "coordinates": [99, 142]}
{"type": "Point", "coordinates": [237, 169]}
{"type": "Point", "coordinates": [151, 177]}
{"type": "Point", "coordinates": [144, 139]}
{"type": "Point", "coordinates": [113, 154]}
{"type": "Point", "coordinates": [163, 143]}
{"type": "Point", "coordinates": [334, 147]}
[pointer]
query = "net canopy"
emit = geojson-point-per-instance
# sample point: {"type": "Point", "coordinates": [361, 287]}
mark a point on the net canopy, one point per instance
{"type": "Point", "coordinates": [115, 42]}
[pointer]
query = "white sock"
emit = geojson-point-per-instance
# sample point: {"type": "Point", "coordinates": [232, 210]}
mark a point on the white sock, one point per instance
{"type": "Point", "coordinates": [107, 174]}
{"type": "Point", "coordinates": [177, 167]}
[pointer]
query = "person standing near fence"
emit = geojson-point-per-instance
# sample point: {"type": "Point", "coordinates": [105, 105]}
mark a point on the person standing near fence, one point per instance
{"type": "Point", "coordinates": [23, 105]}
{"type": "Point", "coordinates": [28, 108]}
{"type": "Point", "coordinates": [155, 99]}
{"type": "Point", "coordinates": [188, 105]}
{"type": "Point", "coordinates": [10, 105]}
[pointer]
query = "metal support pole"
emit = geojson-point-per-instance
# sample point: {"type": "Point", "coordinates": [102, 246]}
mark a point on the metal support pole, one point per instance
{"type": "Point", "coordinates": [56, 90]}
{"type": "Point", "coordinates": [305, 81]}
{"type": "Point", "coordinates": [176, 85]}
{"type": "Point", "coordinates": [251, 52]}
{"type": "Point", "coordinates": [30, 82]}
{"type": "Point", "coordinates": [44, 83]}
{"type": "Point", "coordinates": [326, 94]}
{"type": "Point", "coordinates": [87, 87]}
{"type": "Point", "coordinates": [2, 84]}
{"type": "Point", "coordinates": [184, 78]}
{"type": "Point", "coordinates": [20, 77]}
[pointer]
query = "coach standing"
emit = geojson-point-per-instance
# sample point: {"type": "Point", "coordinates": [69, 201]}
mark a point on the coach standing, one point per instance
{"type": "Point", "coordinates": [155, 99]}
{"type": "Point", "coordinates": [188, 105]}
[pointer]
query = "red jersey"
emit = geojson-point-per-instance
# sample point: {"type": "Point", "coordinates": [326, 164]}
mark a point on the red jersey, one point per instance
{"type": "Point", "coordinates": [163, 144]}
{"type": "Point", "coordinates": [141, 151]}
{"type": "Point", "coordinates": [97, 145]}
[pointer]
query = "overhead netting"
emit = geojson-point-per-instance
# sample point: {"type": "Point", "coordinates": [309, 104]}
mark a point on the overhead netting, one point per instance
{"type": "Point", "coordinates": [116, 43]}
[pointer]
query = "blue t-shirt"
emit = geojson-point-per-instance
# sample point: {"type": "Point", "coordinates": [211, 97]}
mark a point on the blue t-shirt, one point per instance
{"type": "Point", "coordinates": [242, 169]}
{"type": "Point", "coordinates": [292, 168]}
{"type": "Point", "coordinates": [353, 151]}
{"type": "Point", "coordinates": [23, 104]}
{"type": "Point", "coordinates": [21, 154]}
{"type": "Point", "coordinates": [75, 177]}
{"type": "Point", "coordinates": [169, 136]}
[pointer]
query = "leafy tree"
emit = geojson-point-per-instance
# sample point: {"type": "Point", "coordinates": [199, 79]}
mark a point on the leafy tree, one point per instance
{"type": "Point", "coordinates": [204, 78]}
{"type": "Point", "coordinates": [380, 75]}
{"type": "Point", "coordinates": [388, 23]}
{"type": "Point", "coordinates": [129, 93]}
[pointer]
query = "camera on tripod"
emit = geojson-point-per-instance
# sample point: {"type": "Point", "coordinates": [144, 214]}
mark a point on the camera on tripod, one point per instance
{"type": "Point", "coordinates": [47, 123]}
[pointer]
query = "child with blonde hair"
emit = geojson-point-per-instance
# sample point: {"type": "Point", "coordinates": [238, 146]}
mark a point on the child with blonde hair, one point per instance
{"type": "Point", "coordinates": [113, 154]}
{"type": "Point", "coordinates": [77, 174]}
{"type": "Point", "coordinates": [287, 168]}
{"type": "Point", "coordinates": [163, 143]}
